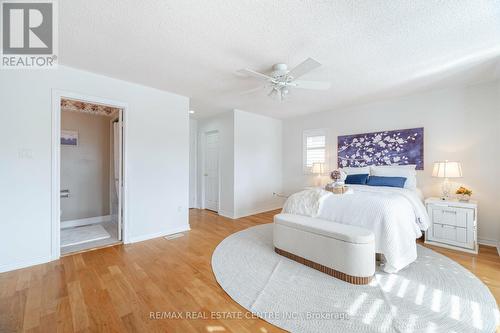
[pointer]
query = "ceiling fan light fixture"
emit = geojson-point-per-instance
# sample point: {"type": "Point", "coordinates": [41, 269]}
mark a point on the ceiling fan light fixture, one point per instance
{"type": "Point", "coordinates": [273, 93]}
{"type": "Point", "coordinates": [282, 78]}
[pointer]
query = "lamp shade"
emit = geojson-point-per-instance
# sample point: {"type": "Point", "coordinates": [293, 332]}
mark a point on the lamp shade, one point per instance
{"type": "Point", "coordinates": [447, 169]}
{"type": "Point", "coordinates": [318, 168]}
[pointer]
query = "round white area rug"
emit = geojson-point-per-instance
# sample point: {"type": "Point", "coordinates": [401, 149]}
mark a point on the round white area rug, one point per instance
{"type": "Point", "coordinates": [434, 294]}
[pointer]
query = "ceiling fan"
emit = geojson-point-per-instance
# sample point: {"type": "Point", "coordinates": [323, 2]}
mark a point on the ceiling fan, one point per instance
{"type": "Point", "coordinates": [281, 79]}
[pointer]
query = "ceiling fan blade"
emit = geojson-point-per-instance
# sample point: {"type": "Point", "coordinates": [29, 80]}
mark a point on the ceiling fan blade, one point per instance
{"type": "Point", "coordinates": [304, 67]}
{"type": "Point", "coordinates": [255, 74]}
{"type": "Point", "coordinates": [313, 85]}
{"type": "Point", "coordinates": [251, 91]}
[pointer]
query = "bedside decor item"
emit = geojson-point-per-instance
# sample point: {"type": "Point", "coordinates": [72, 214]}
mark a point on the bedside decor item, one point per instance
{"type": "Point", "coordinates": [446, 169]}
{"type": "Point", "coordinates": [69, 138]}
{"type": "Point", "coordinates": [335, 175]}
{"type": "Point", "coordinates": [464, 194]}
{"type": "Point", "coordinates": [453, 224]}
{"type": "Point", "coordinates": [400, 147]}
{"type": "Point", "coordinates": [338, 176]}
{"type": "Point", "coordinates": [341, 190]}
{"type": "Point", "coordinates": [337, 189]}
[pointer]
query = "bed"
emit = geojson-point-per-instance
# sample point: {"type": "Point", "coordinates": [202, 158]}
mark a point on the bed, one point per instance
{"type": "Point", "coordinates": [396, 216]}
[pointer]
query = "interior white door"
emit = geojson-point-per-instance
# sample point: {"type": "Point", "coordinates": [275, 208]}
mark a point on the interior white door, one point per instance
{"type": "Point", "coordinates": [211, 173]}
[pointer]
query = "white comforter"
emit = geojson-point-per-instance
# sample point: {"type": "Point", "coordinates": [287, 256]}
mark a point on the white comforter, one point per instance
{"type": "Point", "coordinates": [396, 216]}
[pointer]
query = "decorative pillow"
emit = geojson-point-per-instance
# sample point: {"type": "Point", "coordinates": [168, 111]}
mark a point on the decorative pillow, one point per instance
{"type": "Point", "coordinates": [354, 171]}
{"type": "Point", "coordinates": [386, 181]}
{"type": "Point", "coordinates": [359, 179]}
{"type": "Point", "coordinates": [406, 171]}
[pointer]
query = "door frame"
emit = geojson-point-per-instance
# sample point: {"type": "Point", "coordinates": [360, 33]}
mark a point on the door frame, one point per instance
{"type": "Point", "coordinates": [112, 187]}
{"type": "Point", "coordinates": [57, 95]}
{"type": "Point", "coordinates": [203, 169]}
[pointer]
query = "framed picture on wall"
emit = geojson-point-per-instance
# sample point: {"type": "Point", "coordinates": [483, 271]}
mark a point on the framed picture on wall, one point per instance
{"type": "Point", "coordinates": [398, 147]}
{"type": "Point", "coordinates": [69, 138]}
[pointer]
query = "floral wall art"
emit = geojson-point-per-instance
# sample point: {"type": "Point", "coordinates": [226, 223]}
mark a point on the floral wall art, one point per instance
{"type": "Point", "coordinates": [398, 147]}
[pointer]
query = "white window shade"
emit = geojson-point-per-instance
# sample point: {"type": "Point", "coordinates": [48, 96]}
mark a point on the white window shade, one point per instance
{"type": "Point", "coordinates": [314, 149]}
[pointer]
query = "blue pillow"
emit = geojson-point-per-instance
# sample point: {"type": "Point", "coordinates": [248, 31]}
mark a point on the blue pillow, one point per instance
{"type": "Point", "coordinates": [358, 179]}
{"type": "Point", "coordinates": [386, 181]}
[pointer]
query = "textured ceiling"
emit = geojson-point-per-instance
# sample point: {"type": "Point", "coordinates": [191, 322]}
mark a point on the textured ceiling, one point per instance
{"type": "Point", "coordinates": [369, 49]}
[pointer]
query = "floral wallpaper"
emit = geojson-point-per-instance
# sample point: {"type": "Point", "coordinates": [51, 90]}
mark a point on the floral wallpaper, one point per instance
{"type": "Point", "coordinates": [95, 109]}
{"type": "Point", "coordinates": [398, 147]}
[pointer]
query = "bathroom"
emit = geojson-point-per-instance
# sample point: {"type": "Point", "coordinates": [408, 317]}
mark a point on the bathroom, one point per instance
{"type": "Point", "coordinates": [90, 176]}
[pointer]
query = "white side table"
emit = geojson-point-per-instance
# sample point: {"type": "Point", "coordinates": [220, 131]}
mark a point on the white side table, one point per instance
{"type": "Point", "coordinates": [453, 224]}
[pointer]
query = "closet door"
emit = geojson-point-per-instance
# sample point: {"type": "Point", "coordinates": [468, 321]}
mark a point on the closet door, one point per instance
{"type": "Point", "coordinates": [211, 173]}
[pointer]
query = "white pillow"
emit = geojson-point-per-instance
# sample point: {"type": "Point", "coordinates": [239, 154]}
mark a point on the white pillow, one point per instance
{"type": "Point", "coordinates": [407, 171]}
{"type": "Point", "coordinates": [354, 171]}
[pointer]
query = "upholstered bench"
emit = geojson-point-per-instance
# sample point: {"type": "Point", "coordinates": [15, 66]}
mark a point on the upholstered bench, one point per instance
{"type": "Point", "coordinates": [342, 251]}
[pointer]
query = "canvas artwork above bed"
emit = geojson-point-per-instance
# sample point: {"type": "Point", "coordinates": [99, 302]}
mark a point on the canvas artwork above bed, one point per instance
{"type": "Point", "coordinates": [399, 147]}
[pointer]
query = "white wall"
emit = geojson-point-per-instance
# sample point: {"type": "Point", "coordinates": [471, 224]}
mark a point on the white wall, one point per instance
{"type": "Point", "coordinates": [157, 144]}
{"type": "Point", "coordinates": [460, 124]}
{"type": "Point", "coordinates": [85, 167]}
{"type": "Point", "coordinates": [249, 162]}
{"type": "Point", "coordinates": [224, 124]}
{"type": "Point", "coordinates": [257, 163]}
{"type": "Point", "coordinates": [193, 157]}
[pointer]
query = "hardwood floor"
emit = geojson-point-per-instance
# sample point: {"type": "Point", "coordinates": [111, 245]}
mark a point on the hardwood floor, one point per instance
{"type": "Point", "coordinates": [116, 289]}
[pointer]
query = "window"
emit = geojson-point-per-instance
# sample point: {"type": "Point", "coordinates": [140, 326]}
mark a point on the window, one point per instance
{"type": "Point", "coordinates": [314, 149]}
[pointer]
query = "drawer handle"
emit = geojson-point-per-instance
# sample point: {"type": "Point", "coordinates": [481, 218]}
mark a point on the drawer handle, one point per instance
{"type": "Point", "coordinates": [450, 211]}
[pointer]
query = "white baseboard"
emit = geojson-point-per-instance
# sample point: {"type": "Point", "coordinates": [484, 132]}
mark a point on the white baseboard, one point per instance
{"type": "Point", "coordinates": [229, 215]}
{"type": "Point", "coordinates": [490, 242]}
{"type": "Point", "coordinates": [264, 209]}
{"type": "Point", "coordinates": [249, 212]}
{"type": "Point", "coordinates": [24, 263]}
{"type": "Point", "coordinates": [80, 222]}
{"type": "Point", "coordinates": [141, 238]}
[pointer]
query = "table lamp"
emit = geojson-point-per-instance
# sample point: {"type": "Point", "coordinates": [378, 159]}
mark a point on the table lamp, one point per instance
{"type": "Point", "coordinates": [318, 169]}
{"type": "Point", "coordinates": [446, 169]}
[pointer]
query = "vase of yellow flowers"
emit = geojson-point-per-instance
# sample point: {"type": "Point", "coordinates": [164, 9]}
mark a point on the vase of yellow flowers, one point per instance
{"type": "Point", "coordinates": [464, 194]}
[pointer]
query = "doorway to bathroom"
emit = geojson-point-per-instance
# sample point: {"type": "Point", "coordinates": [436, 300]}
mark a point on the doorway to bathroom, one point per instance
{"type": "Point", "coordinates": [90, 175]}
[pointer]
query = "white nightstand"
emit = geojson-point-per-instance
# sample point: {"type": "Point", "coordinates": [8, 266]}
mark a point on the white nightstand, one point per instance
{"type": "Point", "coordinates": [453, 224]}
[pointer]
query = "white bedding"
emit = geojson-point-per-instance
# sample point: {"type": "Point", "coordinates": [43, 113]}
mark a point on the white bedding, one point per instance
{"type": "Point", "coordinates": [395, 215]}
{"type": "Point", "coordinates": [306, 203]}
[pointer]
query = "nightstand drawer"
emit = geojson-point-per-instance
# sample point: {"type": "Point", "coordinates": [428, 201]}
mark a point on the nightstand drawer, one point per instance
{"type": "Point", "coordinates": [442, 232]}
{"type": "Point", "coordinates": [452, 216]}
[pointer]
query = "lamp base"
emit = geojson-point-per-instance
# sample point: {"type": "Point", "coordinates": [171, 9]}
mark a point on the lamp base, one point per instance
{"type": "Point", "coordinates": [318, 181]}
{"type": "Point", "coordinates": [445, 189]}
